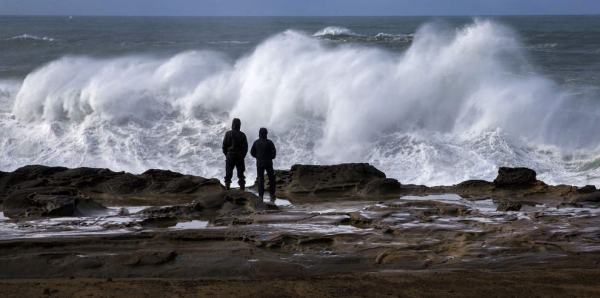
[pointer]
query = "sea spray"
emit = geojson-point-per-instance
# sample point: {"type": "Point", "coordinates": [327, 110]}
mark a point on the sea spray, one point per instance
{"type": "Point", "coordinates": [455, 105]}
{"type": "Point", "coordinates": [335, 31]}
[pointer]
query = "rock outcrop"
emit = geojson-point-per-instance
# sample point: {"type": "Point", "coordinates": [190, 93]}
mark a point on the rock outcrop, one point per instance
{"type": "Point", "coordinates": [511, 186]}
{"type": "Point", "coordinates": [515, 177]}
{"type": "Point", "coordinates": [39, 191]}
{"type": "Point", "coordinates": [34, 191]}
{"type": "Point", "coordinates": [38, 205]}
{"type": "Point", "coordinates": [354, 179]}
{"type": "Point", "coordinates": [225, 206]}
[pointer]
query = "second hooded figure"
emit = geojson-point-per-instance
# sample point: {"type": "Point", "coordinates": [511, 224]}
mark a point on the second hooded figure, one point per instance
{"type": "Point", "coordinates": [264, 151]}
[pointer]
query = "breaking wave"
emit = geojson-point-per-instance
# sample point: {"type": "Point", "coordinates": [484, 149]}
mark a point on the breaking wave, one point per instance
{"type": "Point", "coordinates": [31, 37]}
{"type": "Point", "coordinates": [456, 105]}
{"type": "Point", "coordinates": [335, 31]}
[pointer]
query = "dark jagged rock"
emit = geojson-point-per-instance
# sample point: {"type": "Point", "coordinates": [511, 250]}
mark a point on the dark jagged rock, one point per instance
{"type": "Point", "coordinates": [592, 197]}
{"type": "Point", "coordinates": [233, 200]}
{"type": "Point", "coordinates": [238, 203]}
{"type": "Point", "coordinates": [381, 187]}
{"type": "Point", "coordinates": [475, 186]}
{"type": "Point", "coordinates": [588, 189]}
{"type": "Point", "coordinates": [41, 201]}
{"type": "Point", "coordinates": [190, 210]}
{"type": "Point", "coordinates": [26, 173]}
{"type": "Point", "coordinates": [227, 205]}
{"type": "Point", "coordinates": [162, 181]}
{"type": "Point", "coordinates": [153, 187]}
{"type": "Point", "coordinates": [515, 177]}
{"type": "Point", "coordinates": [415, 190]}
{"type": "Point", "coordinates": [432, 208]}
{"type": "Point", "coordinates": [509, 206]}
{"type": "Point", "coordinates": [515, 183]}
{"type": "Point", "coordinates": [343, 179]}
{"type": "Point", "coordinates": [44, 205]}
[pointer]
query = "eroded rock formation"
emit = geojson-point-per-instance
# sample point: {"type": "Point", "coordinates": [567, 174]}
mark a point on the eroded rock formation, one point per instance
{"type": "Point", "coordinates": [56, 191]}
{"type": "Point", "coordinates": [343, 180]}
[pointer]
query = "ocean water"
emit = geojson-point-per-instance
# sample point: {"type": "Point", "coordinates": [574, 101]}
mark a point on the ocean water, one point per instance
{"type": "Point", "coordinates": [432, 101]}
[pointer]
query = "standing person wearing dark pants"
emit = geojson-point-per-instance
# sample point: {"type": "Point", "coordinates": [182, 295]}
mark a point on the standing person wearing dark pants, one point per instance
{"type": "Point", "coordinates": [264, 151]}
{"type": "Point", "coordinates": [235, 148]}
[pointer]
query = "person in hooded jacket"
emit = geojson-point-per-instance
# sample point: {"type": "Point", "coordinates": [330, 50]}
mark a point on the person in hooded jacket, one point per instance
{"type": "Point", "coordinates": [235, 148]}
{"type": "Point", "coordinates": [264, 151]}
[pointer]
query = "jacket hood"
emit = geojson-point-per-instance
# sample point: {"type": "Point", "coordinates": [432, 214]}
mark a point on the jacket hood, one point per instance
{"type": "Point", "coordinates": [262, 133]}
{"type": "Point", "coordinates": [236, 124]}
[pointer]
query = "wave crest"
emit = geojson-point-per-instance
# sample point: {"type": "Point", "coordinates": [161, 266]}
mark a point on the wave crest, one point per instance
{"type": "Point", "coordinates": [31, 37]}
{"type": "Point", "coordinates": [335, 31]}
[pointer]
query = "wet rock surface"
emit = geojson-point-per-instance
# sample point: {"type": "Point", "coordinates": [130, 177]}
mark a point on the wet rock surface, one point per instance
{"type": "Point", "coordinates": [28, 191]}
{"type": "Point", "coordinates": [338, 180]}
{"type": "Point", "coordinates": [104, 181]}
{"type": "Point", "coordinates": [368, 223]}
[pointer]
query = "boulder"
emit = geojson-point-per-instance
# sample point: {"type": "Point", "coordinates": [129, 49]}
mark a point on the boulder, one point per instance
{"type": "Point", "coordinates": [50, 203]}
{"type": "Point", "coordinates": [26, 177]}
{"type": "Point", "coordinates": [509, 206]}
{"type": "Point", "coordinates": [473, 186]}
{"type": "Point", "coordinates": [515, 177]}
{"type": "Point", "coordinates": [381, 187]}
{"type": "Point", "coordinates": [237, 201]}
{"type": "Point", "coordinates": [588, 189]}
{"type": "Point", "coordinates": [238, 204]}
{"type": "Point", "coordinates": [593, 197]}
{"type": "Point", "coordinates": [153, 187]}
{"type": "Point", "coordinates": [227, 205]}
{"type": "Point", "coordinates": [342, 179]}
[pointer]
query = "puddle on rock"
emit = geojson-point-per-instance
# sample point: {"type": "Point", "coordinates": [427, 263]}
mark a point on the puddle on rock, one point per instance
{"type": "Point", "coordinates": [194, 224]}
{"type": "Point", "coordinates": [396, 219]}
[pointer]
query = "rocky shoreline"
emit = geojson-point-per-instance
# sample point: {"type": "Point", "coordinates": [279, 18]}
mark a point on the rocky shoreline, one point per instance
{"type": "Point", "coordinates": [41, 191]}
{"type": "Point", "coordinates": [340, 219]}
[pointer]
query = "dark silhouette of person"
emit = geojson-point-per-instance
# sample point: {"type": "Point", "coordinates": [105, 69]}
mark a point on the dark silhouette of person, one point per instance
{"type": "Point", "coordinates": [264, 151]}
{"type": "Point", "coordinates": [235, 148]}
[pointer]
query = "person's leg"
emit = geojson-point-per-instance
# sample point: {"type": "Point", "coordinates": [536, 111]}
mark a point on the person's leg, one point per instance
{"type": "Point", "coordinates": [271, 175]}
{"type": "Point", "coordinates": [228, 173]}
{"type": "Point", "coordinates": [260, 175]}
{"type": "Point", "coordinates": [241, 168]}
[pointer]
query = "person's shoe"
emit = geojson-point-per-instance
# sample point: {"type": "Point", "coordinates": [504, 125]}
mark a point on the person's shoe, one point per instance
{"type": "Point", "coordinates": [242, 187]}
{"type": "Point", "coordinates": [273, 198]}
{"type": "Point", "coordinates": [227, 185]}
{"type": "Point", "coordinates": [261, 197]}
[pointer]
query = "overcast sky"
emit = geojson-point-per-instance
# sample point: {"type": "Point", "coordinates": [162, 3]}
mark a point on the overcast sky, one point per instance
{"type": "Point", "coordinates": [297, 7]}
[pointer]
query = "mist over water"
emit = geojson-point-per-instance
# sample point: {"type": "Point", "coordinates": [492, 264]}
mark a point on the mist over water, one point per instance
{"type": "Point", "coordinates": [456, 104]}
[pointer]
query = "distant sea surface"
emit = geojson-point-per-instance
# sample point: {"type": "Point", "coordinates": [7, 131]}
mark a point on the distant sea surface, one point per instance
{"type": "Point", "coordinates": [427, 100]}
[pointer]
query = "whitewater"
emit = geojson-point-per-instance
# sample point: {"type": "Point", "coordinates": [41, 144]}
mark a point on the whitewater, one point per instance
{"type": "Point", "coordinates": [450, 103]}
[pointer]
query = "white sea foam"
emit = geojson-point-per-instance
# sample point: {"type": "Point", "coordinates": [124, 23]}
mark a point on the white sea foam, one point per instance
{"type": "Point", "coordinates": [394, 37]}
{"type": "Point", "coordinates": [336, 31]}
{"type": "Point", "coordinates": [455, 105]}
{"type": "Point", "coordinates": [228, 42]}
{"type": "Point", "coordinates": [32, 37]}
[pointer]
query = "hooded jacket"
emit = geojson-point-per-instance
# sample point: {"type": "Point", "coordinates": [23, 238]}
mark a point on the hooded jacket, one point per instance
{"type": "Point", "coordinates": [235, 145]}
{"type": "Point", "coordinates": [263, 150]}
